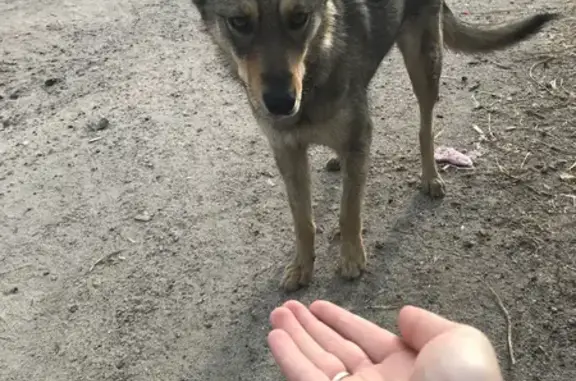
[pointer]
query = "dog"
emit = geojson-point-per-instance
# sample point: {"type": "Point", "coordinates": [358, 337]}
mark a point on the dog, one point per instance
{"type": "Point", "coordinates": [306, 66]}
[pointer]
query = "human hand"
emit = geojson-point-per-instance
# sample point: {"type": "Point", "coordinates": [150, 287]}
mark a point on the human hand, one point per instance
{"type": "Point", "coordinates": [326, 342]}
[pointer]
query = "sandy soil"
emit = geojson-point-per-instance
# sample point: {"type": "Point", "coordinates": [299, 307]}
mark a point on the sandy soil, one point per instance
{"type": "Point", "coordinates": [151, 247]}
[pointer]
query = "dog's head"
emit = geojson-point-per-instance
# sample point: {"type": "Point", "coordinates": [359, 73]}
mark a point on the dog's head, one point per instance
{"type": "Point", "coordinates": [269, 42]}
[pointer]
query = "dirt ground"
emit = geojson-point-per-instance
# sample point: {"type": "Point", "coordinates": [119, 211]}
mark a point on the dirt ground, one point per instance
{"type": "Point", "coordinates": [151, 247]}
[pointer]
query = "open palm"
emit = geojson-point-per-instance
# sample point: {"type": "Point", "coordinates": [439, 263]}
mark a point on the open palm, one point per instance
{"type": "Point", "coordinates": [320, 342]}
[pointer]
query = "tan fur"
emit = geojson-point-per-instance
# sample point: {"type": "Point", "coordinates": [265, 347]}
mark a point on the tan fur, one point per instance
{"type": "Point", "coordinates": [297, 66]}
{"type": "Point", "coordinates": [253, 70]}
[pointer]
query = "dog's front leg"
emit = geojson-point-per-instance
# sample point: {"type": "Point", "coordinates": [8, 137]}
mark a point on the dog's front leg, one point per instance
{"type": "Point", "coordinates": [354, 172]}
{"type": "Point", "coordinates": [293, 165]}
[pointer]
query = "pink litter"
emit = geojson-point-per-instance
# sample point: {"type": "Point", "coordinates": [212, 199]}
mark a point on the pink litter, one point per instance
{"type": "Point", "coordinates": [449, 155]}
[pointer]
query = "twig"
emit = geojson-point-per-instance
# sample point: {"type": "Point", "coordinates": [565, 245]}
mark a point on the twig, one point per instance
{"type": "Point", "coordinates": [508, 324]}
{"type": "Point", "coordinates": [95, 139]}
{"type": "Point", "coordinates": [104, 258]}
{"type": "Point", "coordinates": [501, 65]}
{"type": "Point", "coordinates": [538, 63]}
{"type": "Point", "coordinates": [131, 240]}
{"type": "Point", "coordinates": [572, 166]}
{"type": "Point", "coordinates": [477, 105]}
{"type": "Point", "coordinates": [531, 74]}
{"type": "Point", "coordinates": [525, 159]}
{"type": "Point", "coordinates": [490, 126]}
{"type": "Point", "coordinates": [438, 134]}
{"type": "Point", "coordinates": [478, 130]}
{"type": "Point", "coordinates": [384, 307]}
{"type": "Point", "coordinates": [504, 171]}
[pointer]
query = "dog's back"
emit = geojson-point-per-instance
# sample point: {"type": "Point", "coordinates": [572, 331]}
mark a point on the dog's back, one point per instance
{"type": "Point", "coordinates": [371, 27]}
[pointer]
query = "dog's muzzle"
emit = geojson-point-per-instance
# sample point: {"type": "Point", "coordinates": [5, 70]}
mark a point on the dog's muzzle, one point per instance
{"type": "Point", "coordinates": [279, 96]}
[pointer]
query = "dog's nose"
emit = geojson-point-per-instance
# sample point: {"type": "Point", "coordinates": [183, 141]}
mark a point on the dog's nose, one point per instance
{"type": "Point", "coordinates": [279, 103]}
{"type": "Point", "coordinates": [279, 96]}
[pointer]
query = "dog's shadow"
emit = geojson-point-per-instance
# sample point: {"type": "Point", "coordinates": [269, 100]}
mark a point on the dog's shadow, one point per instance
{"type": "Point", "coordinates": [243, 354]}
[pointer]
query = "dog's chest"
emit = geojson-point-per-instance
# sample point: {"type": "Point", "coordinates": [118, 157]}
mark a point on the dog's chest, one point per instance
{"type": "Point", "coordinates": [331, 133]}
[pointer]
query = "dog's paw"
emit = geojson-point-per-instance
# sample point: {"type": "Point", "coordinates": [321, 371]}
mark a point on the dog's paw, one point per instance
{"type": "Point", "coordinates": [434, 187]}
{"type": "Point", "coordinates": [296, 276]}
{"type": "Point", "coordinates": [352, 263]}
{"type": "Point", "coordinates": [333, 165]}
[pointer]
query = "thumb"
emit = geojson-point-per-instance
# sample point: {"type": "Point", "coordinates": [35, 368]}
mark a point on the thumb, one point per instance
{"type": "Point", "coordinates": [418, 326]}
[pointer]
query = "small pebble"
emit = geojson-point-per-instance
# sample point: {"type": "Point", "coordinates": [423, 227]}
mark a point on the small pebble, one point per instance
{"type": "Point", "coordinates": [143, 217]}
{"type": "Point", "coordinates": [73, 308]}
{"type": "Point", "coordinates": [51, 82]}
{"type": "Point", "coordinates": [99, 125]}
{"type": "Point", "coordinates": [411, 181]}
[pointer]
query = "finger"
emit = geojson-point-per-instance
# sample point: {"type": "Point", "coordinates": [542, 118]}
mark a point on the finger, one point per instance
{"type": "Point", "coordinates": [282, 318]}
{"type": "Point", "coordinates": [293, 364]}
{"type": "Point", "coordinates": [348, 352]}
{"type": "Point", "coordinates": [418, 326]}
{"type": "Point", "coordinates": [467, 352]}
{"type": "Point", "coordinates": [375, 341]}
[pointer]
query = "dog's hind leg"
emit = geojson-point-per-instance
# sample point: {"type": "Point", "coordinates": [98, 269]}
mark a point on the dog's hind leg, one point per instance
{"type": "Point", "coordinates": [421, 45]}
{"type": "Point", "coordinates": [293, 165]}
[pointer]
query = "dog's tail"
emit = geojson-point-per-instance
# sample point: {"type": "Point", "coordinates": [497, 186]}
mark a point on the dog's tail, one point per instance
{"type": "Point", "coordinates": [465, 38]}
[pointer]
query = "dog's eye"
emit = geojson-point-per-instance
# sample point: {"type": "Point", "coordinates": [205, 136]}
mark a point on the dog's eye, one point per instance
{"type": "Point", "coordinates": [297, 20]}
{"type": "Point", "coordinates": [241, 24]}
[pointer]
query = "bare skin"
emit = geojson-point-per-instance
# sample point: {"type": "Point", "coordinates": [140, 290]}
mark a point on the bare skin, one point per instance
{"type": "Point", "coordinates": [319, 342]}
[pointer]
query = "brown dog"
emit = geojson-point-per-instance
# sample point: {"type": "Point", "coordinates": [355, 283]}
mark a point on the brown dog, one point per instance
{"type": "Point", "coordinates": [306, 66]}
